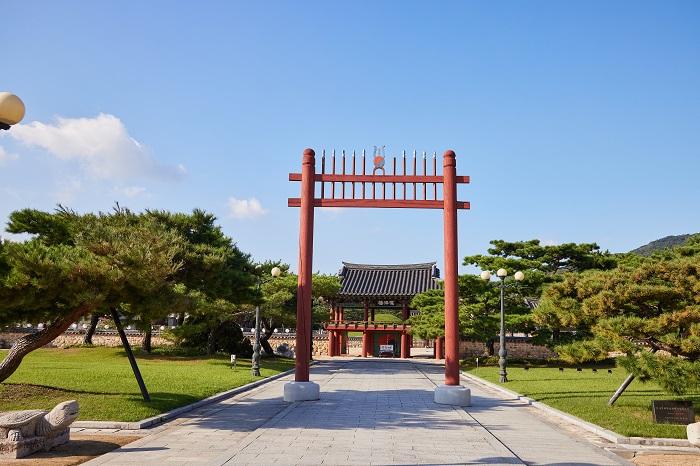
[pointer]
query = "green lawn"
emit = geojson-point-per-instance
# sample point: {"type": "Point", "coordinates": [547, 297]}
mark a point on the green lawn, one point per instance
{"type": "Point", "coordinates": [585, 394]}
{"type": "Point", "coordinates": [102, 382]}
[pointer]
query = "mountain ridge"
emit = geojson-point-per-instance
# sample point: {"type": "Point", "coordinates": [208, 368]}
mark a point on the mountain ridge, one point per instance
{"type": "Point", "coordinates": [666, 242]}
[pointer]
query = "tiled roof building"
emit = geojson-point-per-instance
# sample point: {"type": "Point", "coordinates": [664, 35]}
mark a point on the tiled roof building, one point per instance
{"type": "Point", "coordinates": [369, 287]}
{"type": "Point", "coordinates": [387, 281]}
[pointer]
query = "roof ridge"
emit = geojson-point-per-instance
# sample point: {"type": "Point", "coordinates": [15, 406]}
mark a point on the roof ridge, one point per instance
{"type": "Point", "coordinates": [421, 265]}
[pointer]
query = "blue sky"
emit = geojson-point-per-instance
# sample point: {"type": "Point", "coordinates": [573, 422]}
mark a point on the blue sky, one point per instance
{"type": "Point", "coordinates": [576, 121]}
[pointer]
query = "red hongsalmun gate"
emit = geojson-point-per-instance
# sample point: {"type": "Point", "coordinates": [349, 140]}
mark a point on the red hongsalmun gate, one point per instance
{"type": "Point", "coordinates": [407, 191]}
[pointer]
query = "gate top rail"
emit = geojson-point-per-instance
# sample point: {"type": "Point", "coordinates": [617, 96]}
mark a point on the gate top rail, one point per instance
{"type": "Point", "coordinates": [358, 188]}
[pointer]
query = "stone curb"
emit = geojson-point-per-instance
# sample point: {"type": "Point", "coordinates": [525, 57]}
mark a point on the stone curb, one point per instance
{"type": "Point", "coordinates": [596, 429]}
{"type": "Point", "coordinates": [172, 414]}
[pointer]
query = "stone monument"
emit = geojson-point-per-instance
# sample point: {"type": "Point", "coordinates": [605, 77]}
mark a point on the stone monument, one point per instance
{"type": "Point", "coordinates": [25, 432]}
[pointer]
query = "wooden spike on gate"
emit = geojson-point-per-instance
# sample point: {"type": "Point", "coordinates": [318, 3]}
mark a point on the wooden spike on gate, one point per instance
{"type": "Point", "coordinates": [333, 170]}
{"type": "Point", "coordinates": [353, 172]}
{"type": "Point", "coordinates": [394, 184]}
{"type": "Point", "coordinates": [383, 187]}
{"type": "Point", "coordinates": [415, 186]}
{"type": "Point", "coordinates": [363, 172]}
{"type": "Point", "coordinates": [435, 174]}
{"type": "Point", "coordinates": [404, 172]}
{"type": "Point", "coordinates": [323, 171]}
{"type": "Point", "coordinates": [425, 186]}
{"type": "Point", "coordinates": [373, 172]}
{"type": "Point", "coordinates": [342, 187]}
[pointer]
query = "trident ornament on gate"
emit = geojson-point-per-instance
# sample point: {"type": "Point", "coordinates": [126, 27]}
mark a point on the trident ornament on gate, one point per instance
{"type": "Point", "coordinates": [378, 159]}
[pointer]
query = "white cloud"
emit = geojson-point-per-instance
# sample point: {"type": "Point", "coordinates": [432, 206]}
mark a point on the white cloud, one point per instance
{"type": "Point", "coordinates": [101, 145]}
{"type": "Point", "coordinates": [133, 191]}
{"type": "Point", "coordinates": [67, 190]}
{"type": "Point", "coordinates": [245, 208]}
{"type": "Point", "coordinates": [6, 156]}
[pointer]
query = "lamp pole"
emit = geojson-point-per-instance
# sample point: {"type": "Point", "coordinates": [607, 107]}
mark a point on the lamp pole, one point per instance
{"type": "Point", "coordinates": [255, 364]}
{"type": "Point", "coordinates": [11, 110]}
{"type": "Point", "coordinates": [502, 351]}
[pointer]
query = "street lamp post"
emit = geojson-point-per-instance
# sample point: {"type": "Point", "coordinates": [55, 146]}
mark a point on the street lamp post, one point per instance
{"type": "Point", "coordinates": [11, 110]}
{"type": "Point", "coordinates": [255, 366]}
{"type": "Point", "coordinates": [502, 352]}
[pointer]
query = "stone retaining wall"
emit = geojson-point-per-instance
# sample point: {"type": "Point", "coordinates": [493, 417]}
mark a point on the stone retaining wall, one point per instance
{"type": "Point", "coordinates": [320, 344]}
{"type": "Point", "coordinates": [69, 339]}
{"type": "Point", "coordinates": [517, 347]}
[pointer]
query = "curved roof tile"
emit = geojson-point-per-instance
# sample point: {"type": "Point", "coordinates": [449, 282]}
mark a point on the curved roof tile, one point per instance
{"type": "Point", "coordinates": [387, 281]}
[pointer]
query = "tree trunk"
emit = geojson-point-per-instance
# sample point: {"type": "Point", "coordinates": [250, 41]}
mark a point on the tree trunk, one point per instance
{"type": "Point", "coordinates": [146, 343]}
{"type": "Point", "coordinates": [94, 320]}
{"type": "Point", "coordinates": [624, 385]}
{"type": "Point", "coordinates": [30, 342]}
{"type": "Point", "coordinates": [266, 346]}
{"type": "Point", "coordinates": [621, 389]}
{"type": "Point", "coordinates": [490, 350]}
{"type": "Point", "coordinates": [211, 341]}
{"type": "Point", "coordinates": [130, 354]}
{"type": "Point", "coordinates": [180, 319]}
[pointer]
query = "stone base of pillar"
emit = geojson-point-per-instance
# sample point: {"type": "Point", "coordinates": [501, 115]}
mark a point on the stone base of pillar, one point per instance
{"type": "Point", "coordinates": [301, 391]}
{"type": "Point", "coordinates": [455, 395]}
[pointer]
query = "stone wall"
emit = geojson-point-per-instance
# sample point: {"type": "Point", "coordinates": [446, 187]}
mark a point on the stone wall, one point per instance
{"type": "Point", "coordinates": [517, 347]}
{"type": "Point", "coordinates": [320, 344]}
{"type": "Point", "coordinates": [7, 338]}
{"type": "Point", "coordinates": [105, 339]}
{"type": "Point", "coordinates": [100, 338]}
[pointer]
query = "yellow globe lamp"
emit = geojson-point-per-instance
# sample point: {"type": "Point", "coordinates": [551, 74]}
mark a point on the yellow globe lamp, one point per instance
{"type": "Point", "coordinates": [11, 110]}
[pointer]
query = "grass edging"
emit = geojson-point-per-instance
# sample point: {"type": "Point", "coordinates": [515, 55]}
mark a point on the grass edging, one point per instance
{"type": "Point", "coordinates": [596, 429]}
{"type": "Point", "coordinates": [174, 413]}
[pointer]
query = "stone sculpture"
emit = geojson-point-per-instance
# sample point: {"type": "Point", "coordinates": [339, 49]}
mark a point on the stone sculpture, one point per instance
{"type": "Point", "coordinates": [693, 431]}
{"type": "Point", "coordinates": [25, 432]}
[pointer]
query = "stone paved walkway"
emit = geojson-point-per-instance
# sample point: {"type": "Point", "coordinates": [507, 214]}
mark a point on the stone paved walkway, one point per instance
{"type": "Point", "coordinates": [370, 412]}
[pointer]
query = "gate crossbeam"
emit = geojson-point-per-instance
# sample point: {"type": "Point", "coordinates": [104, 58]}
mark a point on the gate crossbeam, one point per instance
{"type": "Point", "coordinates": [407, 190]}
{"type": "Point", "coordinates": [379, 203]}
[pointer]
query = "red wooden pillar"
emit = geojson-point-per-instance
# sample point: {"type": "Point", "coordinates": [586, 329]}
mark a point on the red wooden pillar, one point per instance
{"type": "Point", "coordinates": [439, 350]}
{"type": "Point", "coordinates": [450, 283]}
{"type": "Point", "coordinates": [306, 247]}
{"type": "Point", "coordinates": [331, 343]}
{"type": "Point", "coordinates": [343, 335]}
{"type": "Point", "coordinates": [366, 310]}
{"type": "Point", "coordinates": [331, 334]}
{"type": "Point", "coordinates": [405, 337]}
{"type": "Point", "coordinates": [365, 343]}
{"type": "Point", "coordinates": [405, 350]}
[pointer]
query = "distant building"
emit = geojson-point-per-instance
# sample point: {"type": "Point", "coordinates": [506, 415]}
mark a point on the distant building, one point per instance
{"type": "Point", "coordinates": [371, 287]}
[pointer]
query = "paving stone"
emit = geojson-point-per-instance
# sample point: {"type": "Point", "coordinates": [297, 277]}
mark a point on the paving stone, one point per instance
{"type": "Point", "coordinates": [370, 412]}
